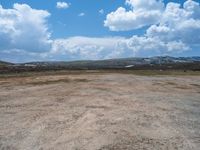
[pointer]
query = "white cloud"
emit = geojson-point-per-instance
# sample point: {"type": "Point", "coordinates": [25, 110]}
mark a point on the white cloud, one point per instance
{"type": "Point", "coordinates": [62, 5]}
{"type": "Point", "coordinates": [81, 14]}
{"type": "Point", "coordinates": [142, 13]}
{"type": "Point", "coordinates": [193, 8]}
{"type": "Point", "coordinates": [87, 48]}
{"type": "Point", "coordinates": [24, 28]}
{"type": "Point", "coordinates": [178, 23]}
{"type": "Point", "coordinates": [142, 45]}
{"type": "Point", "coordinates": [24, 33]}
{"type": "Point", "coordinates": [114, 47]}
{"type": "Point", "coordinates": [174, 29]}
{"type": "Point", "coordinates": [101, 11]}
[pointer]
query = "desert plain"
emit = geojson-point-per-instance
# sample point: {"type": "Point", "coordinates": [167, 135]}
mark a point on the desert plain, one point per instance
{"type": "Point", "coordinates": [99, 111]}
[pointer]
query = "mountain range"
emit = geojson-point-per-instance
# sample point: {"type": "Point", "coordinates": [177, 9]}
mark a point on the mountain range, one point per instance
{"type": "Point", "coordinates": [159, 62]}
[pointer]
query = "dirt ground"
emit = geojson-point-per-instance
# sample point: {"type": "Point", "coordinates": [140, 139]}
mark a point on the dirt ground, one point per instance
{"type": "Point", "coordinates": [108, 111]}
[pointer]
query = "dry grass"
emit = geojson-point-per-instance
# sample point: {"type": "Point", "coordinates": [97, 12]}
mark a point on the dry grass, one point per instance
{"type": "Point", "coordinates": [67, 80]}
{"type": "Point", "coordinates": [78, 72]}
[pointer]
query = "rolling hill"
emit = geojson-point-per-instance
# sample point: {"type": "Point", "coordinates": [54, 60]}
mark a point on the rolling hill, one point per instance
{"type": "Point", "coordinates": [152, 63]}
{"type": "Point", "coordinates": [118, 63]}
{"type": "Point", "coordinates": [3, 63]}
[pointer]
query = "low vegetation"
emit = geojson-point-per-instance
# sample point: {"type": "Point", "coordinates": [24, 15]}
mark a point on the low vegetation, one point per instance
{"type": "Point", "coordinates": [159, 64]}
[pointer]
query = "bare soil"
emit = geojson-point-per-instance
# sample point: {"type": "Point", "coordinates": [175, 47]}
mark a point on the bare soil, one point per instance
{"type": "Point", "coordinates": [100, 111]}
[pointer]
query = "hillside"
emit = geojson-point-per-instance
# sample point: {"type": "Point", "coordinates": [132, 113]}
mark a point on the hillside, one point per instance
{"type": "Point", "coordinates": [119, 63]}
{"type": "Point", "coordinates": [152, 63]}
{"type": "Point", "coordinates": [3, 63]}
{"type": "Point", "coordinates": [122, 62]}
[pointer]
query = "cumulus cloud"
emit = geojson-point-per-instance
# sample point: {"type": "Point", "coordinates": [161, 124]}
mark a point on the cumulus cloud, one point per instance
{"type": "Point", "coordinates": [24, 28]}
{"type": "Point", "coordinates": [74, 48]}
{"type": "Point", "coordinates": [178, 23]}
{"type": "Point", "coordinates": [142, 45]}
{"type": "Point", "coordinates": [62, 5]}
{"type": "Point", "coordinates": [172, 28]}
{"type": "Point", "coordinates": [88, 48]}
{"type": "Point", "coordinates": [114, 47]}
{"type": "Point", "coordinates": [142, 13]}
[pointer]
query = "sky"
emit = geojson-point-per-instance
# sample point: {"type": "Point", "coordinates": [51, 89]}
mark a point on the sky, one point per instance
{"type": "Point", "coordinates": [65, 30]}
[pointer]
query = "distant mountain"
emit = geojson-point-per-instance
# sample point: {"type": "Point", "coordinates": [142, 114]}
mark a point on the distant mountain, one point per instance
{"type": "Point", "coordinates": [122, 62]}
{"type": "Point", "coordinates": [156, 63]}
{"type": "Point", "coordinates": [3, 63]}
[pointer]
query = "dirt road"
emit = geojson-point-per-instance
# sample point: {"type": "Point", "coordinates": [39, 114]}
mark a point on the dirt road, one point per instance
{"type": "Point", "coordinates": [109, 111]}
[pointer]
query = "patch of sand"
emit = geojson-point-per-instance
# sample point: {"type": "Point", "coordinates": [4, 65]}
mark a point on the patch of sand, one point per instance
{"type": "Point", "coordinates": [100, 112]}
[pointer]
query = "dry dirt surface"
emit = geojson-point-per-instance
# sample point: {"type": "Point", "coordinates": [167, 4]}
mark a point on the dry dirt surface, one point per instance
{"type": "Point", "coordinates": [100, 111]}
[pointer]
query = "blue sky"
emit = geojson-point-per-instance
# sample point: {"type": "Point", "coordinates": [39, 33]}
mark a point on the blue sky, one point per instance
{"type": "Point", "coordinates": [65, 22]}
{"type": "Point", "coordinates": [33, 30]}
